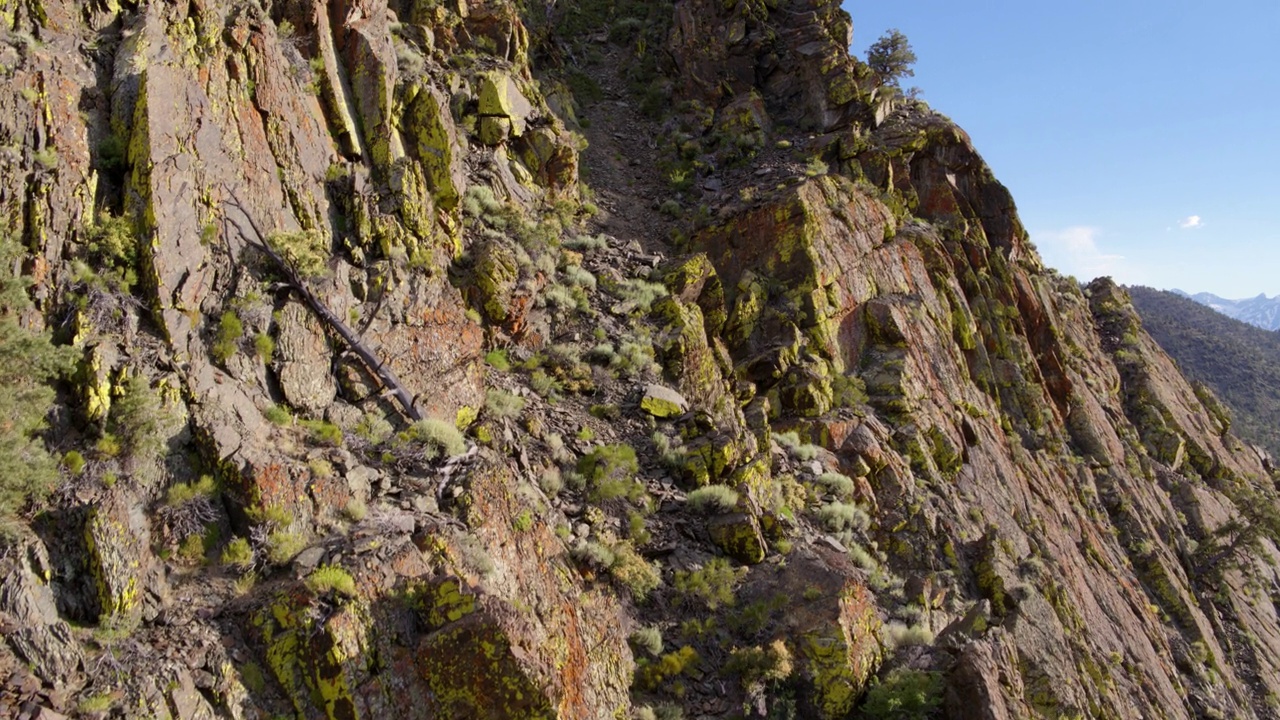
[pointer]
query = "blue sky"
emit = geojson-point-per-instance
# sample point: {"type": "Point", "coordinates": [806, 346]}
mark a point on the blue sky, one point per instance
{"type": "Point", "coordinates": [1140, 138]}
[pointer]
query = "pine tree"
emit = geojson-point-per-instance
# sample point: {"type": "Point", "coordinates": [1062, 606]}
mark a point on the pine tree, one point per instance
{"type": "Point", "coordinates": [28, 362]}
{"type": "Point", "coordinates": [891, 57]}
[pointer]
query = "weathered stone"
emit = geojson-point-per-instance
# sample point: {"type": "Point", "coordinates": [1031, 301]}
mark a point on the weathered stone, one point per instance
{"type": "Point", "coordinates": [499, 97]}
{"type": "Point", "coordinates": [663, 402]}
{"type": "Point", "coordinates": [305, 360]}
{"type": "Point", "coordinates": [738, 535]}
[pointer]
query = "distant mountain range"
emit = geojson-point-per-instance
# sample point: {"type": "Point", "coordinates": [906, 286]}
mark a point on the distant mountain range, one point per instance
{"type": "Point", "coordinates": [1239, 362]}
{"type": "Point", "coordinates": [1261, 311]}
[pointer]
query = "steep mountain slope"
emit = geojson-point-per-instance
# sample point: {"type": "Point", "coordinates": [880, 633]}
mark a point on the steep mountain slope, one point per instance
{"type": "Point", "coordinates": [1260, 311]}
{"type": "Point", "coordinates": [378, 411]}
{"type": "Point", "coordinates": [1239, 362]}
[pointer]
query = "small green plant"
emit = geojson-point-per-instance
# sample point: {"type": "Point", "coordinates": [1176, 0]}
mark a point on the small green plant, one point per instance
{"type": "Point", "coordinates": [815, 167]}
{"type": "Point", "coordinates": [634, 573]}
{"type": "Point", "coordinates": [590, 552]}
{"type": "Point", "coordinates": [713, 499]}
{"type": "Point", "coordinates": [238, 554]}
{"type": "Point", "coordinates": [438, 437]}
{"type": "Point", "coordinates": [96, 703]}
{"type": "Point", "coordinates": [355, 510]}
{"type": "Point", "coordinates": [584, 243]}
{"type": "Point", "coordinates": [839, 485]}
{"type": "Point", "coordinates": [74, 462]}
{"type": "Point", "coordinates": [323, 432]}
{"type": "Point", "coordinates": [713, 584]}
{"type": "Point", "coordinates": [609, 471]}
{"type": "Point", "coordinates": [651, 675]}
{"type": "Point", "coordinates": [757, 665]}
{"type": "Point", "coordinates": [182, 493]}
{"type": "Point", "coordinates": [502, 404]}
{"type": "Point", "coordinates": [800, 451]}
{"type": "Point", "coordinates": [838, 517]}
{"type": "Point", "coordinates": [523, 522]}
{"type": "Point", "coordinates": [284, 545]}
{"type": "Point", "coordinates": [304, 250]}
{"type": "Point", "coordinates": [586, 434]}
{"type": "Point", "coordinates": [550, 481]}
{"type": "Point", "coordinates": [497, 360]}
{"type": "Point", "coordinates": [647, 639]}
{"type": "Point", "coordinates": [278, 415]}
{"type": "Point", "coordinates": [47, 157]}
{"type": "Point", "coordinates": [227, 339]}
{"type": "Point", "coordinates": [898, 635]}
{"type": "Point", "coordinates": [331, 579]}
{"type": "Point", "coordinates": [904, 695]}
{"type": "Point", "coordinates": [265, 346]}
{"type": "Point", "coordinates": [545, 385]}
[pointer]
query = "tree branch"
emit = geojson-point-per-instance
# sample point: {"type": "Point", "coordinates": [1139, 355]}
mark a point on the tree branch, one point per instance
{"type": "Point", "coordinates": [349, 336]}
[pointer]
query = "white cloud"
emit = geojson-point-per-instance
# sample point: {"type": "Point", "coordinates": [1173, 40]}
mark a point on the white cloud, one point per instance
{"type": "Point", "coordinates": [1075, 251]}
{"type": "Point", "coordinates": [1191, 222]}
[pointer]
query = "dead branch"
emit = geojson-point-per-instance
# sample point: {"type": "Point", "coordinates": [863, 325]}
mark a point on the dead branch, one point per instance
{"type": "Point", "coordinates": [370, 359]}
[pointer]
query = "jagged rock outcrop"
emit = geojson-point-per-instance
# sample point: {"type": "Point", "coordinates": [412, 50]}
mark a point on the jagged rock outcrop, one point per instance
{"type": "Point", "coordinates": [380, 409]}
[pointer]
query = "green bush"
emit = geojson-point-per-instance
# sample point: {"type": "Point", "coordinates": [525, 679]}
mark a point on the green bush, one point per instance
{"type": "Point", "coordinates": [283, 545]}
{"type": "Point", "coordinates": [898, 635]}
{"type": "Point", "coordinates": [278, 415]}
{"type": "Point", "coordinates": [265, 346]}
{"type": "Point", "coordinates": [545, 385]}
{"type": "Point", "coordinates": [323, 432]}
{"type": "Point", "coordinates": [330, 578]}
{"type": "Point", "coordinates": [305, 251]}
{"type": "Point", "coordinates": [502, 404]}
{"type": "Point", "coordinates": [638, 576]}
{"type": "Point", "coordinates": [648, 639]}
{"type": "Point", "coordinates": [713, 584]}
{"type": "Point", "coordinates": [439, 438]}
{"type": "Point", "coordinates": [651, 675]}
{"type": "Point", "coordinates": [497, 360]}
{"type": "Point", "coordinates": [759, 665]}
{"type": "Point", "coordinates": [227, 339]}
{"type": "Point", "coordinates": [181, 493]}
{"type": "Point", "coordinates": [610, 472]}
{"type": "Point", "coordinates": [904, 695]}
{"type": "Point", "coordinates": [839, 485]}
{"type": "Point", "coordinates": [791, 441]}
{"type": "Point", "coordinates": [838, 517]}
{"type": "Point", "coordinates": [136, 418]}
{"type": "Point", "coordinates": [713, 498]}
{"type": "Point", "coordinates": [238, 554]}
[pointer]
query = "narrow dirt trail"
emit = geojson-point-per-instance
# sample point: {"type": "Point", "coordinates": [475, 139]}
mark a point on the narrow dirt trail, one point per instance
{"type": "Point", "coordinates": [621, 162]}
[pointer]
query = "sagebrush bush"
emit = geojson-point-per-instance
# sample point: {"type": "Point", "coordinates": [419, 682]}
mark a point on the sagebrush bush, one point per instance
{"type": "Point", "coordinates": [238, 554]}
{"type": "Point", "coordinates": [283, 546]}
{"type": "Point", "coordinates": [648, 639]}
{"type": "Point", "coordinates": [323, 432]}
{"type": "Point", "coordinates": [898, 635]}
{"type": "Point", "coordinates": [634, 573]}
{"type": "Point", "coordinates": [838, 516]}
{"type": "Point", "coordinates": [713, 499]}
{"type": "Point", "coordinates": [226, 340]}
{"type": "Point", "coordinates": [610, 472]}
{"type": "Point", "coordinates": [278, 415]}
{"type": "Point", "coordinates": [713, 584]}
{"type": "Point", "coordinates": [331, 578]}
{"type": "Point", "coordinates": [904, 695]}
{"type": "Point", "coordinates": [438, 437]}
{"type": "Point", "coordinates": [502, 404]}
{"type": "Point", "coordinates": [837, 484]}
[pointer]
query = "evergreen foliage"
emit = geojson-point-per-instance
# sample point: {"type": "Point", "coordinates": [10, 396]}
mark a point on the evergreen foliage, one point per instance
{"type": "Point", "coordinates": [28, 363]}
{"type": "Point", "coordinates": [891, 57]}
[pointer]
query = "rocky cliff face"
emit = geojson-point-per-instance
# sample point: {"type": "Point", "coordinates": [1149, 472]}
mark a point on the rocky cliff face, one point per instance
{"type": "Point", "coordinates": [581, 360]}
